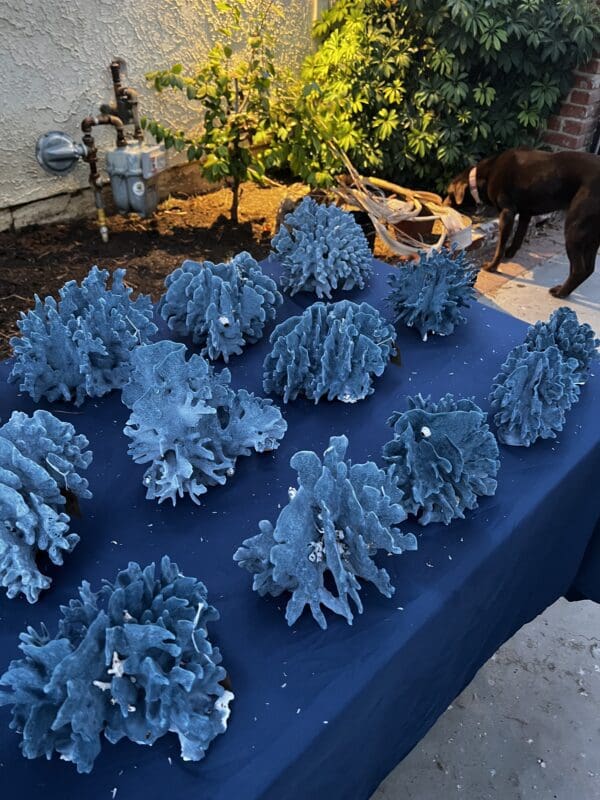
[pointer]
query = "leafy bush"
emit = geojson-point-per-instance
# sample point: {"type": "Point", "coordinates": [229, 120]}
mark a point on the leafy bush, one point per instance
{"type": "Point", "coordinates": [233, 88]}
{"type": "Point", "coordinates": [415, 90]}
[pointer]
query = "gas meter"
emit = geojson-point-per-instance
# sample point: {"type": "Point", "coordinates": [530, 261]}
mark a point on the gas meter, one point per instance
{"type": "Point", "coordinates": [132, 165]}
{"type": "Point", "coordinates": [133, 172]}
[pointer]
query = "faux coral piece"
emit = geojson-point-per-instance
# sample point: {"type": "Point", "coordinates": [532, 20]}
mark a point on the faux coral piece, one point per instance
{"type": "Point", "coordinates": [80, 346]}
{"type": "Point", "coordinates": [327, 535]}
{"type": "Point", "coordinates": [331, 349]}
{"type": "Point", "coordinates": [132, 660]}
{"type": "Point", "coordinates": [572, 339]}
{"type": "Point", "coordinates": [322, 248]}
{"type": "Point", "coordinates": [189, 424]}
{"type": "Point", "coordinates": [221, 306]}
{"type": "Point", "coordinates": [443, 457]}
{"type": "Point", "coordinates": [40, 461]}
{"type": "Point", "coordinates": [532, 393]}
{"type": "Point", "coordinates": [429, 294]}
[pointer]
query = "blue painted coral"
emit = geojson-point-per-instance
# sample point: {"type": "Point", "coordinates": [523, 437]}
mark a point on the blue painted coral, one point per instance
{"type": "Point", "coordinates": [221, 306]}
{"type": "Point", "coordinates": [40, 463]}
{"type": "Point", "coordinates": [321, 248]}
{"type": "Point", "coordinates": [132, 660]}
{"type": "Point", "coordinates": [572, 339]}
{"type": "Point", "coordinates": [334, 524]}
{"type": "Point", "coordinates": [331, 349]}
{"type": "Point", "coordinates": [443, 457]}
{"type": "Point", "coordinates": [189, 424]}
{"type": "Point", "coordinates": [80, 346]}
{"type": "Point", "coordinates": [429, 294]}
{"type": "Point", "coordinates": [532, 393]}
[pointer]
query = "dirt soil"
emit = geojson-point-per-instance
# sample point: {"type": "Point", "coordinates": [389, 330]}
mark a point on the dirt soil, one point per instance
{"type": "Point", "coordinates": [40, 260]}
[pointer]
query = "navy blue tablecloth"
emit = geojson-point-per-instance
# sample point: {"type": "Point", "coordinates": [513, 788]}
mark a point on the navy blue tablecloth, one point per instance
{"type": "Point", "coordinates": [325, 714]}
{"type": "Point", "coordinates": [586, 585]}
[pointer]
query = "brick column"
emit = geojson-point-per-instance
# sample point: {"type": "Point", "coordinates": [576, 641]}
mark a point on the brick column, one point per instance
{"type": "Point", "coordinates": [574, 126]}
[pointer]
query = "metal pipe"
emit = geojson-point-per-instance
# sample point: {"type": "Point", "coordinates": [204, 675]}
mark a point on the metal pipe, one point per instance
{"type": "Point", "coordinates": [91, 158]}
{"type": "Point", "coordinates": [126, 105]}
{"type": "Point", "coordinates": [115, 71]}
{"type": "Point", "coordinates": [132, 98]}
{"type": "Point", "coordinates": [105, 119]}
{"type": "Point", "coordinates": [120, 107]}
{"type": "Point", "coordinates": [100, 214]}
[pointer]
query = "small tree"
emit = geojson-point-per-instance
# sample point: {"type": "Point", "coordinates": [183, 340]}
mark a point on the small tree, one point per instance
{"type": "Point", "coordinates": [234, 88]}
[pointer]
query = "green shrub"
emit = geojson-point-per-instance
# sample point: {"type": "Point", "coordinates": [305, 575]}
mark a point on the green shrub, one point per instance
{"type": "Point", "coordinates": [416, 90]}
{"type": "Point", "coordinates": [233, 88]}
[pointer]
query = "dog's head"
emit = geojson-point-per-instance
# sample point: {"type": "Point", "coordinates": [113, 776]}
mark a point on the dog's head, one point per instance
{"type": "Point", "coordinates": [457, 193]}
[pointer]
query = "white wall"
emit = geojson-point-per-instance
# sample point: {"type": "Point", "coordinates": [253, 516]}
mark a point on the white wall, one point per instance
{"type": "Point", "coordinates": [54, 57]}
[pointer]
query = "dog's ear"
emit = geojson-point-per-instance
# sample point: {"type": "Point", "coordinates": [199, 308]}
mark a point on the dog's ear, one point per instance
{"type": "Point", "coordinates": [460, 187]}
{"type": "Point", "coordinates": [457, 190]}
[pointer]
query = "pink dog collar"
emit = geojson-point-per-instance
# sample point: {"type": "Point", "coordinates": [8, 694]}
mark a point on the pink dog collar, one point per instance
{"type": "Point", "coordinates": [473, 186]}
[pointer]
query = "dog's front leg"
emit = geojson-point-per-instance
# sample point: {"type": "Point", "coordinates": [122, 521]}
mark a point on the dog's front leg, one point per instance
{"type": "Point", "coordinates": [524, 220]}
{"type": "Point", "coordinates": [505, 224]}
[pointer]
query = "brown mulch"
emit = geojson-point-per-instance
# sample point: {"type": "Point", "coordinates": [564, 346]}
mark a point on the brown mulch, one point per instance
{"type": "Point", "coordinates": [40, 260]}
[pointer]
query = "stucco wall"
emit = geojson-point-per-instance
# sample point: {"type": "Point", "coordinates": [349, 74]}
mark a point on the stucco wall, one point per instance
{"type": "Point", "coordinates": [54, 63]}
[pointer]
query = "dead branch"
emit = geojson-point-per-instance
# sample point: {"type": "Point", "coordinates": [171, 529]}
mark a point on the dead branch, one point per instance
{"type": "Point", "coordinates": [388, 205]}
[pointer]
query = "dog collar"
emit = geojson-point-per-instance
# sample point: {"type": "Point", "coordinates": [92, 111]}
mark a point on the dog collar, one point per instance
{"type": "Point", "coordinates": [473, 186]}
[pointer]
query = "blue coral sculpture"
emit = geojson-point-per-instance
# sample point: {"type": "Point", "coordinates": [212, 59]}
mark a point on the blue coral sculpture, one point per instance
{"type": "Point", "coordinates": [331, 349]}
{"type": "Point", "coordinates": [532, 393]}
{"type": "Point", "coordinates": [429, 294]}
{"type": "Point", "coordinates": [322, 248]}
{"type": "Point", "coordinates": [189, 424]}
{"type": "Point", "coordinates": [80, 346]}
{"type": "Point", "coordinates": [572, 339]}
{"type": "Point", "coordinates": [40, 461]}
{"type": "Point", "coordinates": [221, 306]}
{"type": "Point", "coordinates": [335, 522]}
{"type": "Point", "coordinates": [132, 660]}
{"type": "Point", "coordinates": [443, 457]}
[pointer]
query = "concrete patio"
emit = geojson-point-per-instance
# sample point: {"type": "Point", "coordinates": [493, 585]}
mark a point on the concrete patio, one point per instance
{"type": "Point", "coordinates": [521, 287]}
{"type": "Point", "coordinates": [528, 725]}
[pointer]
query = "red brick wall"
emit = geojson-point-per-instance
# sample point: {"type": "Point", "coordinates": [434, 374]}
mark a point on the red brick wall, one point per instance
{"type": "Point", "coordinates": [574, 126]}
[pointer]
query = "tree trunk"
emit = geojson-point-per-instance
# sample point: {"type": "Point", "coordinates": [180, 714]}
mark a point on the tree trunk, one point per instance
{"type": "Point", "coordinates": [235, 202]}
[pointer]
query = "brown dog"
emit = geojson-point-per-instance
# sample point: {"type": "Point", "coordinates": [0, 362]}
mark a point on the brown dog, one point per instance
{"type": "Point", "coordinates": [530, 182]}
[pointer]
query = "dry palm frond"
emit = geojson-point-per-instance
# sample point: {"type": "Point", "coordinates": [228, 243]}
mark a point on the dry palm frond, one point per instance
{"type": "Point", "coordinates": [388, 205]}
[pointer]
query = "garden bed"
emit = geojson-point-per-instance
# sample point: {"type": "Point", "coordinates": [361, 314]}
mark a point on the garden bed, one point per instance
{"type": "Point", "coordinates": [40, 260]}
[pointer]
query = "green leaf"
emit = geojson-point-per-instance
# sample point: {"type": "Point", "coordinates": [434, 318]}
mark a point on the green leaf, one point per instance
{"type": "Point", "coordinates": [411, 90]}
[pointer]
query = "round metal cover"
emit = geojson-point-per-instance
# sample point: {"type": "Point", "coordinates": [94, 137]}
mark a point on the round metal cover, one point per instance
{"type": "Point", "coordinates": [57, 153]}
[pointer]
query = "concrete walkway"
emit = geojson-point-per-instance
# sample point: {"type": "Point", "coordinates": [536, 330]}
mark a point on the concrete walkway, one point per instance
{"type": "Point", "coordinates": [526, 728]}
{"type": "Point", "coordinates": [528, 725]}
{"type": "Point", "coordinates": [521, 287]}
